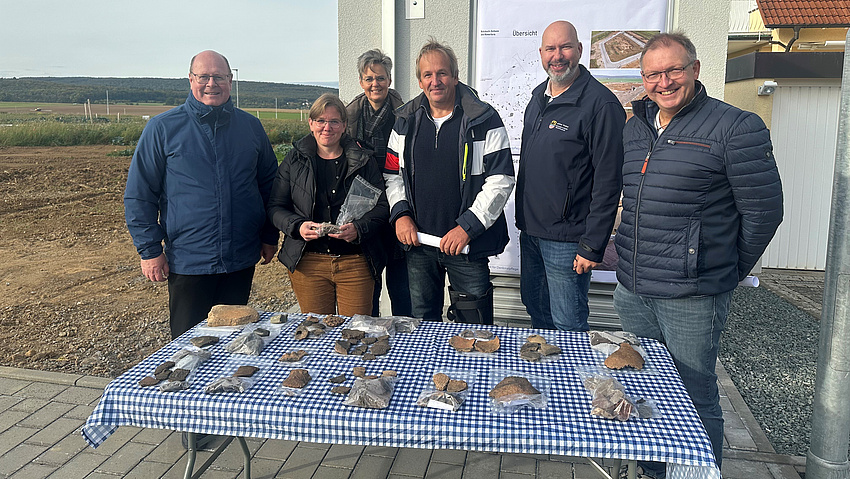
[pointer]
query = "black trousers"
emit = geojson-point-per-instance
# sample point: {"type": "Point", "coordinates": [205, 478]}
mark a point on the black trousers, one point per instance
{"type": "Point", "coordinates": [190, 297]}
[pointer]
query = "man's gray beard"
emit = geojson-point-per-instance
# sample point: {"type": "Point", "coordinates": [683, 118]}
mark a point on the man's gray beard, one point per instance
{"type": "Point", "coordinates": [565, 78]}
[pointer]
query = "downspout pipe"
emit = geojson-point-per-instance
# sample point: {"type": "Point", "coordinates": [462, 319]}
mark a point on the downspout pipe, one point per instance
{"type": "Point", "coordinates": [827, 454]}
{"type": "Point", "coordinates": [794, 39]}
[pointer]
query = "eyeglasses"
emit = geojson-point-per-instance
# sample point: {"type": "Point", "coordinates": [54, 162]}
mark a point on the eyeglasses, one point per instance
{"type": "Point", "coordinates": [379, 79]}
{"type": "Point", "coordinates": [334, 124]}
{"type": "Point", "coordinates": [671, 74]}
{"type": "Point", "coordinates": [217, 79]}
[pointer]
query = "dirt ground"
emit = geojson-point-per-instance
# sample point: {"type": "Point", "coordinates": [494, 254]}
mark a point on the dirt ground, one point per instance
{"type": "Point", "coordinates": [72, 296]}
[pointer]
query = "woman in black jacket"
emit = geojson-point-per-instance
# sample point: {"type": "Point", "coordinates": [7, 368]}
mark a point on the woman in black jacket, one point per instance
{"type": "Point", "coordinates": [333, 273]}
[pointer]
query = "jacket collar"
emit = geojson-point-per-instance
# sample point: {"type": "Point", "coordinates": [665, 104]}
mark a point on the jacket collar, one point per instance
{"type": "Point", "coordinates": [466, 97]}
{"type": "Point", "coordinates": [646, 109]}
{"type": "Point", "coordinates": [202, 111]}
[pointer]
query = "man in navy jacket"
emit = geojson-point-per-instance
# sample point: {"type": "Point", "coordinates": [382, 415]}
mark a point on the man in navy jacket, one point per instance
{"type": "Point", "coordinates": [199, 182]}
{"type": "Point", "coordinates": [701, 201]}
{"type": "Point", "coordinates": [568, 186]}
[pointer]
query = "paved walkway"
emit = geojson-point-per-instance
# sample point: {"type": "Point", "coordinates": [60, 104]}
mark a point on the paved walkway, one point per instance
{"type": "Point", "coordinates": [41, 414]}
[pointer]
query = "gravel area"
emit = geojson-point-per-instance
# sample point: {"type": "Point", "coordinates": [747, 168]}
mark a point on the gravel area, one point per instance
{"type": "Point", "coordinates": [770, 351]}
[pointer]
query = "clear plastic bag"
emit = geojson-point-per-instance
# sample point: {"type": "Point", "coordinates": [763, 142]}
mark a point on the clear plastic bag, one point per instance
{"type": "Point", "coordinates": [446, 398]}
{"type": "Point", "coordinates": [361, 198]}
{"type": "Point", "coordinates": [371, 393]}
{"type": "Point", "coordinates": [537, 397]}
{"type": "Point", "coordinates": [187, 359]}
{"type": "Point", "coordinates": [610, 400]}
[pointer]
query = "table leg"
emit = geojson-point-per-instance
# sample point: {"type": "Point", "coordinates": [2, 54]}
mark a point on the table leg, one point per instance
{"type": "Point", "coordinates": [602, 470]}
{"type": "Point", "coordinates": [247, 456]}
{"type": "Point", "coordinates": [632, 465]}
{"type": "Point", "coordinates": [190, 463]}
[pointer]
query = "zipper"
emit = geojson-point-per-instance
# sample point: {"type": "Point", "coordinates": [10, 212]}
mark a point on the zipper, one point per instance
{"type": "Point", "coordinates": [692, 143]}
{"type": "Point", "coordinates": [637, 212]}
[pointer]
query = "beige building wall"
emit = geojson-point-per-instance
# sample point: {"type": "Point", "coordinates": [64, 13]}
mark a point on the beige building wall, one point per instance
{"type": "Point", "coordinates": [743, 94]}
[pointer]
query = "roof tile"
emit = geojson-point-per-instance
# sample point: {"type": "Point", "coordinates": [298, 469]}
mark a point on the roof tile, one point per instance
{"type": "Point", "coordinates": [789, 13]}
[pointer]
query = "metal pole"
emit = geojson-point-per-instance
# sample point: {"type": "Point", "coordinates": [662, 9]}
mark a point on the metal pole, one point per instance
{"type": "Point", "coordinates": [237, 86]}
{"type": "Point", "coordinates": [827, 455]}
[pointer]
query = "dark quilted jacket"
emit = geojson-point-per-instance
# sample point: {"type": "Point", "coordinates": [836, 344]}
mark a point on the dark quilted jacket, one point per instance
{"type": "Point", "coordinates": [700, 203]}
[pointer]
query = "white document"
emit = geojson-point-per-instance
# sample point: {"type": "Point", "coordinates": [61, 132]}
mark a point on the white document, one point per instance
{"type": "Point", "coordinates": [434, 241]}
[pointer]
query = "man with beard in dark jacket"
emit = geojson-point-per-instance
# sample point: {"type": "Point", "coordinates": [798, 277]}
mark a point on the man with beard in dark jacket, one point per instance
{"type": "Point", "coordinates": [568, 185]}
{"type": "Point", "coordinates": [701, 201]}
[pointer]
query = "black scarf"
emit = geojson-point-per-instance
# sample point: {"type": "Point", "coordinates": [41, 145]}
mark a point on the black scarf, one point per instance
{"type": "Point", "coordinates": [371, 121]}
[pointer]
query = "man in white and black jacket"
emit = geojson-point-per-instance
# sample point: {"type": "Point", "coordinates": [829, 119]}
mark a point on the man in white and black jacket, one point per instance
{"type": "Point", "coordinates": [449, 174]}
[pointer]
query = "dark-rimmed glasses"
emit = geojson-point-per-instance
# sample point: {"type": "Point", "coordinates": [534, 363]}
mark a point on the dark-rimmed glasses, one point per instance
{"type": "Point", "coordinates": [217, 79]}
{"type": "Point", "coordinates": [334, 124]}
{"type": "Point", "coordinates": [671, 74]}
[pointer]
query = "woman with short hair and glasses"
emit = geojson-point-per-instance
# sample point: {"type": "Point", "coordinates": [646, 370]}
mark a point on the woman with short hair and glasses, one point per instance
{"type": "Point", "coordinates": [333, 273]}
{"type": "Point", "coordinates": [371, 121]}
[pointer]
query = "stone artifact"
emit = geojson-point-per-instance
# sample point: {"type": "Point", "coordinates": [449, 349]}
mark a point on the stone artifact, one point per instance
{"type": "Point", "coordinates": [452, 401]}
{"type": "Point", "coordinates": [371, 393]}
{"type": "Point", "coordinates": [338, 379]}
{"type": "Point", "coordinates": [353, 334]}
{"type": "Point", "coordinates": [262, 332]}
{"type": "Point", "coordinates": [369, 357]}
{"type": "Point", "coordinates": [231, 315]}
{"type": "Point", "coordinates": [536, 338]}
{"type": "Point", "coordinates": [380, 348]}
{"type": "Point", "coordinates": [389, 373]}
{"type": "Point", "coordinates": [536, 348]}
{"type": "Point", "coordinates": [326, 228]}
{"type": "Point", "coordinates": [178, 375]}
{"type": "Point", "coordinates": [246, 343]}
{"type": "Point", "coordinates": [166, 366]}
{"type": "Point", "coordinates": [441, 381]}
{"type": "Point", "coordinates": [625, 356]}
{"type": "Point", "coordinates": [359, 371]}
{"type": "Point", "coordinates": [203, 341]}
{"type": "Point", "coordinates": [530, 355]}
{"type": "Point", "coordinates": [231, 384]}
{"type": "Point", "coordinates": [279, 318]}
{"type": "Point", "coordinates": [148, 381]}
{"type": "Point", "coordinates": [609, 398]}
{"type": "Point", "coordinates": [462, 344]}
{"type": "Point", "coordinates": [245, 371]}
{"type": "Point", "coordinates": [341, 347]}
{"type": "Point", "coordinates": [549, 349]}
{"type": "Point", "coordinates": [298, 378]}
{"type": "Point", "coordinates": [456, 386]}
{"type": "Point", "coordinates": [162, 375]}
{"type": "Point", "coordinates": [511, 386]}
{"type": "Point", "coordinates": [476, 334]}
{"type": "Point", "coordinates": [371, 376]}
{"type": "Point", "coordinates": [292, 356]}
{"type": "Point", "coordinates": [301, 332]}
{"type": "Point", "coordinates": [359, 350]}
{"type": "Point", "coordinates": [487, 346]}
{"type": "Point", "coordinates": [369, 340]}
{"type": "Point", "coordinates": [341, 389]}
{"type": "Point", "coordinates": [333, 320]}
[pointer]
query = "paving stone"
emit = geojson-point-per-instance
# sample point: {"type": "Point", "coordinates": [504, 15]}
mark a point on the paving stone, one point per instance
{"type": "Point", "coordinates": [65, 449]}
{"type": "Point", "coordinates": [328, 472]}
{"type": "Point", "coordinates": [514, 475]}
{"type": "Point", "coordinates": [737, 469]}
{"type": "Point", "coordinates": [733, 421]}
{"type": "Point", "coordinates": [381, 451]}
{"type": "Point", "coordinates": [118, 439]}
{"type": "Point", "coordinates": [438, 470]}
{"type": "Point", "coordinates": [9, 386]}
{"type": "Point", "coordinates": [169, 451]}
{"type": "Point", "coordinates": [314, 445]}
{"type": "Point", "coordinates": [370, 467]}
{"type": "Point", "coordinates": [78, 395]}
{"type": "Point", "coordinates": [57, 429]}
{"type": "Point", "coordinates": [555, 470]}
{"type": "Point", "coordinates": [726, 406]}
{"type": "Point", "coordinates": [92, 382]}
{"type": "Point", "coordinates": [79, 466]}
{"type": "Point", "coordinates": [152, 436]}
{"type": "Point", "coordinates": [7, 402]}
{"type": "Point", "coordinates": [261, 468]}
{"type": "Point", "coordinates": [276, 449]}
{"type": "Point", "coordinates": [147, 470]}
{"type": "Point", "coordinates": [13, 436]}
{"type": "Point", "coordinates": [41, 390]}
{"type": "Point", "coordinates": [18, 457]}
{"type": "Point", "coordinates": [449, 456]}
{"type": "Point", "coordinates": [30, 405]}
{"type": "Point", "coordinates": [11, 418]}
{"type": "Point", "coordinates": [342, 455]}
{"type": "Point", "coordinates": [740, 438]}
{"type": "Point", "coordinates": [587, 470]}
{"type": "Point", "coordinates": [46, 415]}
{"type": "Point", "coordinates": [126, 458]}
{"type": "Point", "coordinates": [302, 463]}
{"type": "Point", "coordinates": [411, 462]}
{"type": "Point", "coordinates": [782, 471]}
{"type": "Point", "coordinates": [80, 412]}
{"type": "Point", "coordinates": [519, 463]}
{"type": "Point", "coordinates": [34, 471]}
{"type": "Point", "coordinates": [232, 459]}
{"type": "Point", "coordinates": [572, 459]}
{"type": "Point", "coordinates": [482, 465]}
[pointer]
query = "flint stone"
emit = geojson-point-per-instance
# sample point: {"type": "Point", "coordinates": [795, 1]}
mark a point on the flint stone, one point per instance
{"type": "Point", "coordinates": [202, 341]}
{"type": "Point", "coordinates": [245, 371]}
{"type": "Point", "coordinates": [338, 379]}
{"type": "Point", "coordinates": [231, 315]}
{"type": "Point", "coordinates": [279, 318]}
{"type": "Point", "coordinates": [262, 332]}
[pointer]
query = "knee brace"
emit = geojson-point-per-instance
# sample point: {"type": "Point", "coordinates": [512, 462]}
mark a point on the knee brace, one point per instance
{"type": "Point", "coordinates": [470, 309]}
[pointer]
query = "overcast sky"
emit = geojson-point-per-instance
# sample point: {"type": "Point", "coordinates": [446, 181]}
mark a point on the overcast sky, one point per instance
{"type": "Point", "coordinates": [267, 40]}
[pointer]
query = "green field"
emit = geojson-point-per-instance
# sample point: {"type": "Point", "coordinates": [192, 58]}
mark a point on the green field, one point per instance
{"type": "Point", "coordinates": [281, 115]}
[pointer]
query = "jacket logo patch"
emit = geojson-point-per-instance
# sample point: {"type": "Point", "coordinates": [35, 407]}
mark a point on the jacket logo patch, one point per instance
{"type": "Point", "coordinates": [556, 125]}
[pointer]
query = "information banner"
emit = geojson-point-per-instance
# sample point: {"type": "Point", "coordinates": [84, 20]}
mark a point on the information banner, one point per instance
{"type": "Point", "coordinates": [612, 33]}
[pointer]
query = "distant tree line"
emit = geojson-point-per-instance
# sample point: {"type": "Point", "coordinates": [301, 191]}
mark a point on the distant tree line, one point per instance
{"type": "Point", "coordinates": [169, 91]}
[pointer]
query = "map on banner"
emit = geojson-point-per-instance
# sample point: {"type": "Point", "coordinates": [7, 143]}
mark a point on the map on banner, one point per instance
{"type": "Point", "coordinates": [612, 33]}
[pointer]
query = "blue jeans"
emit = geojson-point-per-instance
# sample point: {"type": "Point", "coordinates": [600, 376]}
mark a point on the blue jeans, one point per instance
{"type": "Point", "coordinates": [690, 327]}
{"type": "Point", "coordinates": [427, 267]}
{"type": "Point", "coordinates": [554, 295]}
{"type": "Point", "coordinates": [397, 287]}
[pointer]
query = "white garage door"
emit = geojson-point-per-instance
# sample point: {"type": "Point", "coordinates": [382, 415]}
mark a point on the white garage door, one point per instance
{"type": "Point", "coordinates": [804, 129]}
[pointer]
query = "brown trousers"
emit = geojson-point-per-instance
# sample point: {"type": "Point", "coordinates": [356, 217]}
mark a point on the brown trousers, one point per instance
{"type": "Point", "coordinates": [327, 284]}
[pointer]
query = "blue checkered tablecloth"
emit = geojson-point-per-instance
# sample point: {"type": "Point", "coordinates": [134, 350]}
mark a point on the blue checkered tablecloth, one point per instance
{"type": "Point", "coordinates": [564, 427]}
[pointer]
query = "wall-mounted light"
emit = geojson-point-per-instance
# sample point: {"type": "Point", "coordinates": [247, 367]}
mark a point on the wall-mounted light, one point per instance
{"type": "Point", "coordinates": [767, 88]}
